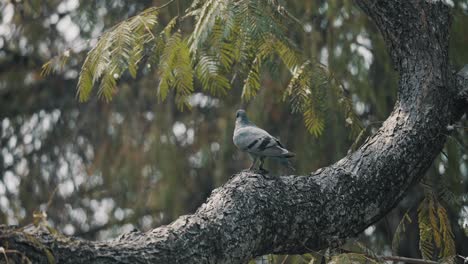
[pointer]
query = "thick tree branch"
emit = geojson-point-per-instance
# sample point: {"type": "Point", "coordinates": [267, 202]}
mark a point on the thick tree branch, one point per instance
{"type": "Point", "coordinates": [252, 214]}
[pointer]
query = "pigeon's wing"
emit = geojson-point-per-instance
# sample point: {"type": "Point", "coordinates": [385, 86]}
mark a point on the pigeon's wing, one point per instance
{"type": "Point", "coordinates": [257, 141]}
{"type": "Point", "coordinates": [245, 138]}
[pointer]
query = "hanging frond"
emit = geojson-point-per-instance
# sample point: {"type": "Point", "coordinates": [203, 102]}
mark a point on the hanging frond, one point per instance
{"type": "Point", "coordinates": [426, 245]}
{"type": "Point", "coordinates": [169, 27]}
{"type": "Point", "coordinates": [220, 44]}
{"type": "Point", "coordinates": [117, 50]}
{"type": "Point", "coordinates": [183, 76]}
{"type": "Point", "coordinates": [108, 85]}
{"type": "Point", "coordinates": [307, 92]}
{"type": "Point", "coordinates": [308, 89]}
{"type": "Point", "coordinates": [247, 32]}
{"type": "Point", "coordinates": [288, 54]}
{"type": "Point", "coordinates": [142, 25]}
{"type": "Point", "coordinates": [56, 64]}
{"type": "Point", "coordinates": [447, 253]}
{"type": "Point", "coordinates": [157, 47]}
{"type": "Point", "coordinates": [92, 68]}
{"type": "Point", "coordinates": [176, 71]}
{"type": "Point", "coordinates": [209, 73]}
{"type": "Point", "coordinates": [299, 79]}
{"type": "Point", "coordinates": [252, 82]}
{"type": "Point", "coordinates": [314, 122]}
{"type": "Point", "coordinates": [400, 230]}
{"type": "Point", "coordinates": [206, 17]}
{"type": "Point", "coordinates": [435, 233]}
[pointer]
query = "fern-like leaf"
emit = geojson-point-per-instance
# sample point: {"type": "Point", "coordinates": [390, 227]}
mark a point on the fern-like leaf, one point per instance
{"type": "Point", "coordinates": [117, 50]}
{"type": "Point", "coordinates": [447, 254]}
{"type": "Point", "coordinates": [252, 82]}
{"type": "Point", "coordinates": [426, 245]}
{"type": "Point", "coordinates": [176, 71]}
{"type": "Point", "coordinates": [56, 64]}
{"type": "Point", "coordinates": [435, 232]}
{"type": "Point", "coordinates": [206, 19]}
{"type": "Point", "coordinates": [209, 73]}
{"type": "Point", "coordinates": [108, 86]}
{"type": "Point", "coordinates": [400, 230]}
{"type": "Point", "coordinates": [314, 122]}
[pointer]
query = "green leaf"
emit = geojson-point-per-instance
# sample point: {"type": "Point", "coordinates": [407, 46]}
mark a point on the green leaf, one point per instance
{"type": "Point", "coordinates": [434, 229]}
{"type": "Point", "coordinates": [252, 82]}
{"type": "Point", "coordinates": [108, 86]}
{"type": "Point", "coordinates": [176, 71]}
{"type": "Point", "coordinates": [400, 230]}
{"type": "Point", "coordinates": [117, 50]}
{"type": "Point", "coordinates": [209, 73]}
{"type": "Point", "coordinates": [313, 121]}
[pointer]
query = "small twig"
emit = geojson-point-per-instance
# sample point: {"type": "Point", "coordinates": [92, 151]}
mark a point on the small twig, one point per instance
{"type": "Point", "coordinates": [284, 260]}
{"type": "Point", "coordinates": [465, 259]}
{"type": "Point", "coordinates": [51, 197]}
{"type": "Point", "coordinates": [12, 251]}
{"type": "Point", "coordinates": [2, 250]}
{"type": "Point", "coordinates": [147, 28]}
{"type": "Point", "coordinates": [293, 18]}
{"type": "Point", "coordinates": [178, 8]}
{"type": "Point", "coordinates": [394, 258]}
{"type": "Point", "coordinates": [408, 260]}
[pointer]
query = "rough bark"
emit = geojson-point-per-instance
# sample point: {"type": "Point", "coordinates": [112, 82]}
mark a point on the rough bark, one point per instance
{"type": "Point", "coordinates": [253, 214]}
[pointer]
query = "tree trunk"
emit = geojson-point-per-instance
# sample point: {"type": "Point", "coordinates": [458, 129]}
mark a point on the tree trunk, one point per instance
{"type": "Point", "coordinates": [253, 214]}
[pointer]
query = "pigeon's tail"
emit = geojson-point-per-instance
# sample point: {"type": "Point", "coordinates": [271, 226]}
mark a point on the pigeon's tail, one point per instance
{"type": "Point", "coordinates": [288, 154]}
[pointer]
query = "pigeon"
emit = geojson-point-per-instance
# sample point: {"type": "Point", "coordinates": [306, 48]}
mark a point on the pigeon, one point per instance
{"type": "Point", "coordinates": [258, 143]}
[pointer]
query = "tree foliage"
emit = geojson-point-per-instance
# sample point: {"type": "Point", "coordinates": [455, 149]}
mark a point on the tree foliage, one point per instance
{"type": "Point", "coordinates": [230, 39]}
{"type": "Point", "coordinates": [435, 232]}
{"type": "Point", "coordinates": [119, 49]}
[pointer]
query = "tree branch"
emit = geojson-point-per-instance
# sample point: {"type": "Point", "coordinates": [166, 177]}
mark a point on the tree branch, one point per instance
{"type": "Point", "coordinates": [253, 214]}
{"type": "Point", "coordinates": [391, 258]}
{"type": "Point", "coordinates": [408, 260]}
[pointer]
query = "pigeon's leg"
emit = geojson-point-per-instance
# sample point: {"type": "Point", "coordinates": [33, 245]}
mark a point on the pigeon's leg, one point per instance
{"type": "Point", "coordinates": [253, 163]}
{"type": "Point", "coordinates": [262, 159]}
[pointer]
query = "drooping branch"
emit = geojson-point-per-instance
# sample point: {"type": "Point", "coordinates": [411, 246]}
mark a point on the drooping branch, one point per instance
{"type": "Point", "coordinates": [253, 214]}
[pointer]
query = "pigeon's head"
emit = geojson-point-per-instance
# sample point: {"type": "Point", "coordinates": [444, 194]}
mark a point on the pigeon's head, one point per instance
{"type": "Point", "coordinates": [241, 116]}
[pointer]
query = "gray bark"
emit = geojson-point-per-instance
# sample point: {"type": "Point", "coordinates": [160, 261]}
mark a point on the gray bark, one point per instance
{"type": "Point", "coordinates": [253, 215]}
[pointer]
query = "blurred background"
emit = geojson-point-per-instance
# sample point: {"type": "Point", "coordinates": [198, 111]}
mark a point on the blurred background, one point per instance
{"type": "Point", "coordinates": [98, 169]}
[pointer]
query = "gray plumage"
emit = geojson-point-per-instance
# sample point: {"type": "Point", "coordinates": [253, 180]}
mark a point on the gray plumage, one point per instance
{"type": "Point", "coordinates": [258, 143]}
